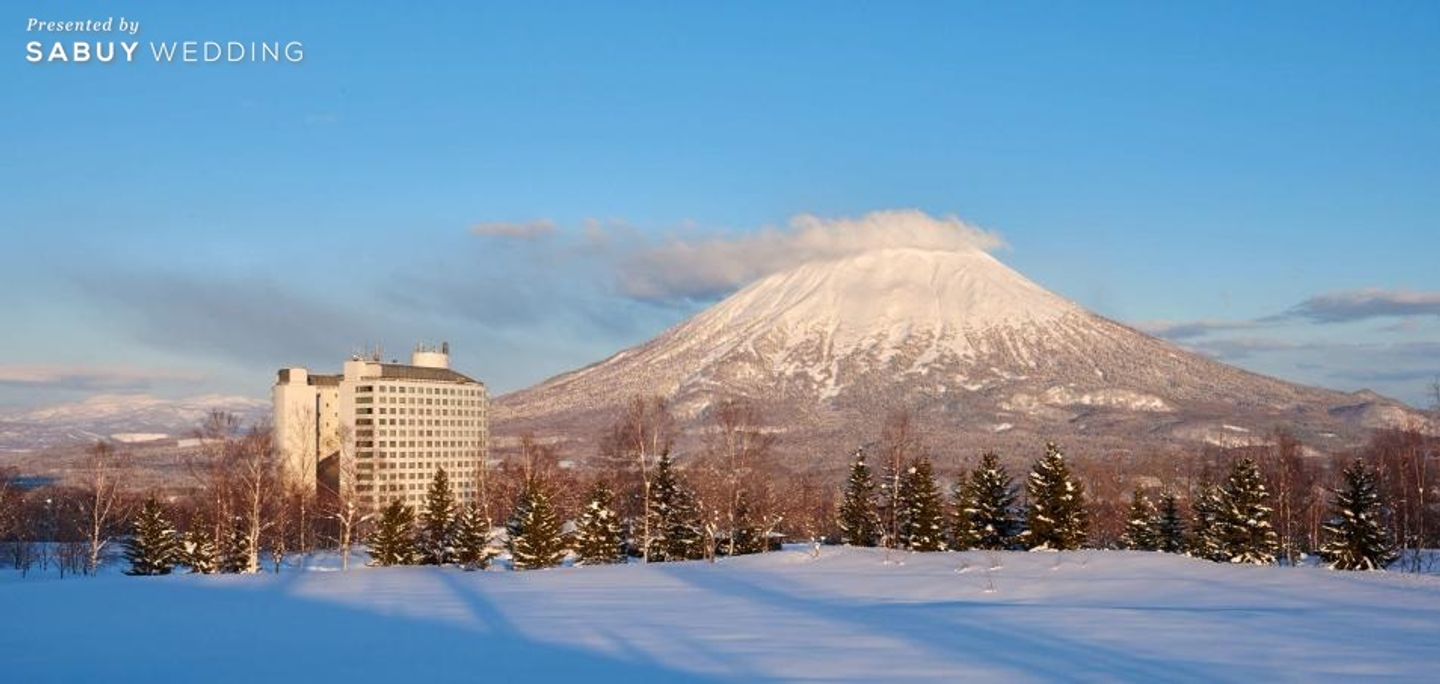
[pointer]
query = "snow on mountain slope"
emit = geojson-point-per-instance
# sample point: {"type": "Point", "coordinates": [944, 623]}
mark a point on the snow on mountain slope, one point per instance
{"type": "Point", "coordinates": [122, 417]}
{"type": "Point", "coordinates": [848, 615]}
{"type": "Point", "coordinates": [884, 297]}
{"type": "Point", "coordinates": [830, 347]}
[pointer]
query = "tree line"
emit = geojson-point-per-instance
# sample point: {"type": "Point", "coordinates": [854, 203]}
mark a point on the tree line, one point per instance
{"type": "Point", "coordinates": [637, 498]}
{"type": "Point", "coordinates": [1229, 522]}
{"type": "Point", "coordinates": [637, 502]}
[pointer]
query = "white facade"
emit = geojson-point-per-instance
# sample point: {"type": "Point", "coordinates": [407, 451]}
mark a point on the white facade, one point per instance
{"type": "Point", "coordinates": [389, 426]}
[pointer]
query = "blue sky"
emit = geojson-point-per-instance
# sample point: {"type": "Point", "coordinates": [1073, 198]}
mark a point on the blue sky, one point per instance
{"type": "Point", "coordinates": [1258, 183]}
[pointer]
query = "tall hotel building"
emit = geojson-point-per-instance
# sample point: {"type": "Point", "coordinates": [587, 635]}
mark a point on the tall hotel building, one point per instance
{"type": "Point", "coordinates": [387, 425]}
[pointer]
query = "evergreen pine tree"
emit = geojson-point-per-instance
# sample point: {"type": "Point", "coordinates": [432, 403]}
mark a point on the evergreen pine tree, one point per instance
{"type": "Point", "coordinates": [684, 536]}
{"type": "Point", "coordinates": [922, 510]}
{"type": "Point", "coordinates": [963, 536]}
{"type": "Point", "coordinates": [859, 520]}
{"type": "Point", "coordinates": [675, 518]}
{"type": "Point", "coordinates": [1057, 515]}
{"type": "Point", "coordinates": [472, 539]}
{"type": "Point", "coordinates": [1171, 527]}
{"type": "Point", "coordinates": [515, 526]}
{"type": "Point", "coordinates": [1205, 538]}
{"type": "Point", "coordinates": [991, 500]}
{"type": "Point", "coordinates": [1142, 527]}
{"type": "Point", "coordinates": [153, 547]}
{"type": "Point", "coordinates": [599, 539]}
{"type": "Point", "coordinates": [1356, 538]}
{"type": "Point", "coordinates": [745, 535]}
{"type": "Point", "coordinates": [1245, 530]}
{"type": "Point", "coordinates": [199, 549]}
{"type": "Point", "coordinates": [535, 539]}
{"type": "Point", "coordinates": [393, 542]}
{"type": "Point", "coordinates": [662, 494]}
{"type": "Point", "coordinates": [437, 522]}
{"type": "Point", "coordinates": [234, 548]}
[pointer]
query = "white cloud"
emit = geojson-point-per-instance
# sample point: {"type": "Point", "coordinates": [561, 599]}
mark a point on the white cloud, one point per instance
{"type": "Point", "coordinates": [90, 378]}
{"type": "Point", "coordinates": [1354, 305]}
{"type": "Point", "coordinates": [689, 267]}
{"type": "Point", "coordinates": [1184, 330]}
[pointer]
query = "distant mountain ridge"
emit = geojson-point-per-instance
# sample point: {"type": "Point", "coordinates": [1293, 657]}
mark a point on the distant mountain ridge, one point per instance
{"type": "Point", "coordinates": [980, 354]}
{"type": "Point", "coordinates": [118, 417]}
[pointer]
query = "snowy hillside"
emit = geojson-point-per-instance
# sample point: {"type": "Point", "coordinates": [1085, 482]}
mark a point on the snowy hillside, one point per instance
{"type": "Point", "coordinates": [121, 417]}
{"type": "Point", "coordinates": [846, 616]}
{"type": "Point", "coordinates": [975, 348]}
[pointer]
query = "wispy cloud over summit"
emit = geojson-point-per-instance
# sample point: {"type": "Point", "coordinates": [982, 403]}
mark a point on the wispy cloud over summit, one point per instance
{"type": "Point", "coordinates": [707, 266]}
{"type": "Point", "coordinates": [690, 263]}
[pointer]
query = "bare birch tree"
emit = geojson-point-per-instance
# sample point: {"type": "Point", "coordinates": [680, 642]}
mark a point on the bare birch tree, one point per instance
{"type": "Point", "coordinates": [810, 504]}
{"type": "Point", "coordinates": [899, 445]}
{"type": "Point", "coordinates": [1292, 481]}
{"type": "Point", "coordinates": [254, 468]}
{"type": "Point", "coordinates": [209, 470]}
{"type": "Point", "coordinates": [343, 502]}
{"type": "Point", "coordinates": [240, 473]}
{"type": "Point", "coordinates": [737, 453]}
{"type": "Point", "coordinates": [298, 460]}
{"type": "Point", "coordinates": [101, 500]}
{"type": "Point", "coordinates": [644, 432]}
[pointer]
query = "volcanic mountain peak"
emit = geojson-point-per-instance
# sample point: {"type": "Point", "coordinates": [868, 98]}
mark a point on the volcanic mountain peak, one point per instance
{"type": "Point", "coordinates": [890, 293]}
{"type": "Point", "coordinates": [969, 345]}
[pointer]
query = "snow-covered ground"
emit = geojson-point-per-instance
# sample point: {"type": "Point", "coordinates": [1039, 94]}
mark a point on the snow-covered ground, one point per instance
{"type": "Point", "coordinates": [846, 615]}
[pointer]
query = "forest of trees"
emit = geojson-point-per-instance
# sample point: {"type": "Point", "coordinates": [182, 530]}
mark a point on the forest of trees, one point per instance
{"type": "Point", "coordinates": [636, 498]}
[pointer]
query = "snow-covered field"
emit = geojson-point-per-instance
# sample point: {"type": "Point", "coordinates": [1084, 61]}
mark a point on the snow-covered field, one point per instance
{"type": "Point", "coordinates": [846, 615]}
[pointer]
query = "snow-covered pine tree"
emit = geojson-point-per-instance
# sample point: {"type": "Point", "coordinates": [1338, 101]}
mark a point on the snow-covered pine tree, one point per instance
{"type": "Point", "coordinates": [1205, 529]}
{"type": "Point", "coordinates": [1170, 528]}
{"type": "Point", "coordinates": [859, 519]}
{"type": "Point", "coordinates": [393, 542]}
{"type": "Point", "coordinates": [514, 527]}
{"type": "Point", "coordinates": [992, 512]}
{"type": "Point", "coordinates": [234, 548]}
{"type": "Point", "coordinates": [153, 547]}
{"type": "Point", "coordinates": [535, 539]}
{"type": "Point", "coordinates": [472, 539]}
{"type": "Point", "coordinates": [1057, 516]}
{"type": "Point", "coordinates": [1357, 540]}
{"type": "Point", "coordinates": [437, 521]}
{"type": "Point", "coordinates": [662, 495]}
{"type": "Point", "coordinates": [745, 535]}
{"type": "Point", "coordinates": [922, 510]}
{"type": "Point", "coordinates": [1246, 534]}
{"type": "Point", "coordinates": [675, 518]}
{"type": "Point", "coordinates": [599, 538]}
{"type": "Point", "coordinates": [962, 527]}
{"type": "Point", "coordinates": [684, 534]}
{"type": "Point", "coordinates": [1142, 526]}
{"type": "Point", "coordinates": [199, 549]}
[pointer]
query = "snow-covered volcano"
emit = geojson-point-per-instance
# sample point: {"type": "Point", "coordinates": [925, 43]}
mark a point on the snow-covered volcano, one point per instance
{"type": "Point", "coordinates": [970, 346]}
